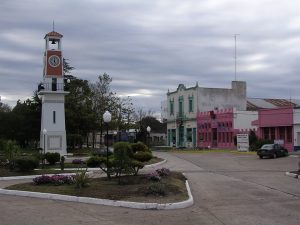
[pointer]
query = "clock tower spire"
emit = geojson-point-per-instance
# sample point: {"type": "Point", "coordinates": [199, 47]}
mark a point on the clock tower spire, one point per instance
{"type": "Point", "coordinates": [53, 131]}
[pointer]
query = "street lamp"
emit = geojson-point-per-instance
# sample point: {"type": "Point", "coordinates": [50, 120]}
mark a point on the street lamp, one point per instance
{"type": "Point", "coordinates": [107, 119]}
{"type": "Point", "coordinates": [115, 136]}
{"type": "Point", "coordinates": [148, 130]}
{"type": "Point", "coordinates": [44, 149]}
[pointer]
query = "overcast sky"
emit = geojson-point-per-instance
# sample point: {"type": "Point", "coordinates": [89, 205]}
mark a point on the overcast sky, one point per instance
{"type": "Point", "coordinates": [150, 46]}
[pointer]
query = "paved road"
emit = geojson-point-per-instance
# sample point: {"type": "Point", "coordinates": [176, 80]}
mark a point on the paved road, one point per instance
{"type": "Point", "coordinates": [228, 189]}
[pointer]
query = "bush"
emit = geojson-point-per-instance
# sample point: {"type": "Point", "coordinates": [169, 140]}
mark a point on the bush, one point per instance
{"type": "Point", "coordinates": [143, 156]}
{"type": "Point", "coordinates": [139, 147]}
{"type": "Point", "coordinates": [26, 163]}
{"type": "Point", "coordinates": [154, 176]}
{"type": "Point", "coordinates": [259, 143]}
{"type": "Point", "coordinates": [94, 161]}
{"type": "Point", "coordinates": [157, 188]}
{"type": "Point", "coordinates": [163, 172]}
{"type": "Point", "coordinates": [81, 179]}
{"type": "Point", "coordinates": [52, 158]}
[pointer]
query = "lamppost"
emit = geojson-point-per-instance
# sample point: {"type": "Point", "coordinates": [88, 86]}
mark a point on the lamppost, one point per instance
{"type": "Point", "coordinates": [115, 136]}
{"type": "Point", "coordinates": [107, 119]}
{"type": "Point", "coordinates": [148, 131]}
{"type": "Point", "coordinates": [44, 149]}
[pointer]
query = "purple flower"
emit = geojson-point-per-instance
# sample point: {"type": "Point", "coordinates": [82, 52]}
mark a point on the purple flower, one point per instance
{"type": "Point", "coordinates": [77, 161]}
{"type": "Point", "coordinates": [55, 179]}
{"type": "Point", "coordinates": [163, 172]}
{"type": "Point", "coordinates": [154, 176]}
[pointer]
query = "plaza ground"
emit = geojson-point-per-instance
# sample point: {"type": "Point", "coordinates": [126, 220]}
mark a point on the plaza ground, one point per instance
{"type": "Point", "coordinates": [228, 189]}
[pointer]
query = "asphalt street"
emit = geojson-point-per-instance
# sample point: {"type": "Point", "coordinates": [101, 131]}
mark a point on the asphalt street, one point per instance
{"type": "Point", "coordinates": [231, 189]}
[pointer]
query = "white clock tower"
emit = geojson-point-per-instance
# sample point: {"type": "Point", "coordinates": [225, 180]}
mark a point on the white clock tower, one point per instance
{"type": "Point", "coordinates": [53, 129]}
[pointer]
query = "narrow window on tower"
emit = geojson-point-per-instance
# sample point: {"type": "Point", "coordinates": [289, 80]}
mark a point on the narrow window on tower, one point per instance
{"type": "Point", "coordinates": [54, 117]}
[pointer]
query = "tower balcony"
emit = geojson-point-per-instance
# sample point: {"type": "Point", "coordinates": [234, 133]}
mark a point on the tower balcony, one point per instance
{"type": "Point", "coordinates": [51, 87]}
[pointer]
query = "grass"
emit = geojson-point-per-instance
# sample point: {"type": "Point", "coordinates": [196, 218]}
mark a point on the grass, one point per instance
{"type": "Point", "coordinates": [211, 151]}
{"type": "Point", "coordinates": [133, 188]}
{"type": "Point", "coordinates": [8, 173]}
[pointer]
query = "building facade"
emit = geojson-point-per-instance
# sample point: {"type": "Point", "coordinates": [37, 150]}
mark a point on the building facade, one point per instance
{"type": "Point", "coordinates": [217, 128]}
{"type": "Point", "coordinates": [281, 125]}
{"type": "Point", "coordinates": [184, 103]}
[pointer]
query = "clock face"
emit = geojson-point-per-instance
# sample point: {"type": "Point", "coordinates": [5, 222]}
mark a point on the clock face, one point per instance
{"type": "Point", "coordinates": [54, 61]}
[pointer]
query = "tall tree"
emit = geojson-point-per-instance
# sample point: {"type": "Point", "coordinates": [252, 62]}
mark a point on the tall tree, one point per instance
{"type": "Point", "coordinates": [79, 114]}
{"type": "Point", "coordinates": [103, 99]}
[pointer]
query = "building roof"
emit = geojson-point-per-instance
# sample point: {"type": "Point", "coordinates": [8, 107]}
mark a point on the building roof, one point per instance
{"type": "Point", "coordinates": [270, 103]}
{"type": "Point", "coordinates": [54, 34]}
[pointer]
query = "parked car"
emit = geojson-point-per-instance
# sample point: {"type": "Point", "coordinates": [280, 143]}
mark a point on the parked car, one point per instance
{"type": "Point", "coordinates": [272, 151]}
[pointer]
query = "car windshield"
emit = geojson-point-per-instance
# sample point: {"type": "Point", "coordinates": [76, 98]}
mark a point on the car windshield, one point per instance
{"type": "Point", "coordinates": [267, 147]}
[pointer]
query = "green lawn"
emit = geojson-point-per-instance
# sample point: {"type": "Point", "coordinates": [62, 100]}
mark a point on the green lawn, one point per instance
{"type": "Point", "coordinates": [211, 151]}
{"type": "Point", "coordinates": [133, 188]}
{"type": "Point", "coordinates": [8, 173]}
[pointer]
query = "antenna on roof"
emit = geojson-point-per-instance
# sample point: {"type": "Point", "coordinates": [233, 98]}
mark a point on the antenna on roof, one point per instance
{"type": "Point", "coordinates": [290, 92]}
{"type": "Point", "coordinates": [235, 56]}
{"type": "Point", "coordinates": [53, 25]}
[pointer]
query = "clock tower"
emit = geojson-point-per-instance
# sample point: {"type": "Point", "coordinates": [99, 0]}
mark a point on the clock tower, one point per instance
{"type": "Point", "coordinates": [53, 130]}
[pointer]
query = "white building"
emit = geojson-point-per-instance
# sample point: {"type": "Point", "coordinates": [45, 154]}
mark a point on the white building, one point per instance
{"type": "Point", "coordinates": [184, 103]}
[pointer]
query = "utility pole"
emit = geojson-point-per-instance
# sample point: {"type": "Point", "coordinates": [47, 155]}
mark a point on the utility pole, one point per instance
{"type": "Point", "coordinates": [235, 56]}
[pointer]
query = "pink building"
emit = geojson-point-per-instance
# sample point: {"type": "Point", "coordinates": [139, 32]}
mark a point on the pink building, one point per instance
{"type": "Point", "coordinates": [277, 124]}
{"type": "Point", "coordinates": [217, 128]}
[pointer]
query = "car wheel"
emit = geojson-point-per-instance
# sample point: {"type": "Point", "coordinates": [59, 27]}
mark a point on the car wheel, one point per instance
{"type": "Point", "coordinates": [286, 153]}
{"type": "Point", "coordinates": [274, 156]}
{"type": "Point", "coordinates": [261, 157]}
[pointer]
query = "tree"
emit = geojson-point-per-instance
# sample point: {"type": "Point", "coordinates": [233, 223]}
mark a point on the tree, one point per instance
{"type": "Point", "coordinates": [4, 107]}
{"type": "Point", "coordinates": [103, 99]}
{"type": "Point", "coordinates": [140, 125]}
{"type": "Point", "coordinates": [67, 68]}
{"type": "Point", "coordinates": [79, 113]}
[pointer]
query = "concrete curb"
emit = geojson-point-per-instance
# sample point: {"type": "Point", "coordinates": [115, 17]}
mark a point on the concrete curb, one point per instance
{"type": "Point", "coordinates": [292, 175]}
{"type": "Point", "coordinates": [155, 164]}
{"type": "Point", "coordinates": [106, 202]}
{"type": "Point", "coordinates": [34, 176]}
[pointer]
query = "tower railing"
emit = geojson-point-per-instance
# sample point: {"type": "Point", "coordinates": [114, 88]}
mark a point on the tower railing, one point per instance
{"type": "Point", "coordinates": [51, 87]}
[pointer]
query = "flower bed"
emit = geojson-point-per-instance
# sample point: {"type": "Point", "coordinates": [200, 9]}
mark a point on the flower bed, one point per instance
{"type": "Point", "coordinates": [55, 179]}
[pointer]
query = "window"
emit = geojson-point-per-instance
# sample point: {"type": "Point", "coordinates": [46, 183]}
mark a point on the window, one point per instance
{"type": "Point", "coordinates": [191, 104]}
{"type": "Point", "coordinates": [272, 131]}
{"type": "Point", "coordinates": [54, 117]}
{"type": "Point", "coordinates": [171, 107]}
{"type": "Point", "coordinates": [282, 133]}
{"type": "Point", "coordinates": [288, 134]}
{"type": "Point", "coordinates": [189, 137]}
{"type": "Point", "coordinates": [266, 133]}
{"type": "Point", "coordinates": [180, 104]}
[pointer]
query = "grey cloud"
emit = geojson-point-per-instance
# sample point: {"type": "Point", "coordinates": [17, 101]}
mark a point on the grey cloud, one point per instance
{"type": "Point", "coordinates": [155, 45]}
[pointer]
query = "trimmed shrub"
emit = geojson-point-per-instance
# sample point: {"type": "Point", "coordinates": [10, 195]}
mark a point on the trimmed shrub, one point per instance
{"type": "Point", "coordinates": [52, 158]}
{"type": "Point", "coordinates": [139, 147]}
{"type": "Point", "coordinates": [143, 156]}
{"type": "Point", "coordinates": [94, 161]}
{"type": "Point", "coordinates": [136, 166]}
{"type": "Point", "coordinates": [26, 163]}
{"type": "Point", "coordinates": [122, 148]}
